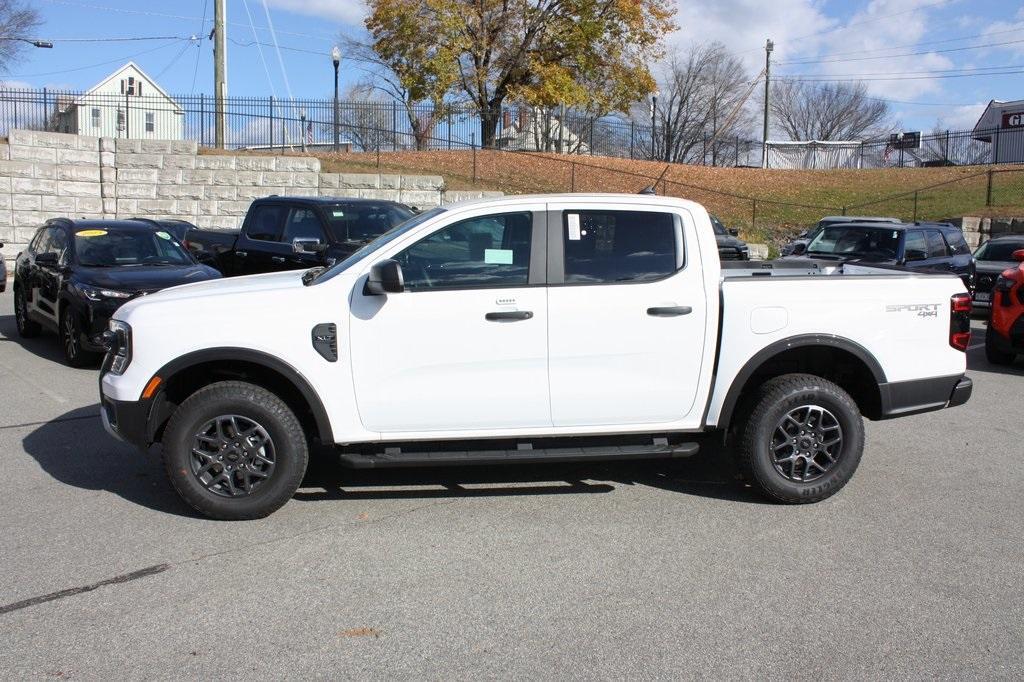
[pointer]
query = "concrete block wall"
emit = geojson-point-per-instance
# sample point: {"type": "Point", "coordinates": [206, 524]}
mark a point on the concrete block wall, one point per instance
{"type": "Point", "coordinates": [47, 175]}
{"type": "Point", "coordinates": [977, 230]}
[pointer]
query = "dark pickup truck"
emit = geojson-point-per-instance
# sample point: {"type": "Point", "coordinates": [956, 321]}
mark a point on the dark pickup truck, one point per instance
{"type": "Point", "coordinates": [290, 233]}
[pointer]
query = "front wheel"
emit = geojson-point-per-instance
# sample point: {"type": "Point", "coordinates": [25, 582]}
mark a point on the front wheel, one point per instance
{"type": "Point", "coordinates": [803, 439]}
{"type": "Point", "coordinates": [235, 451]}
{"type": "Point", "coordinates": [71, 341]}
{"type": "Point", "coordinates": [992, 352]}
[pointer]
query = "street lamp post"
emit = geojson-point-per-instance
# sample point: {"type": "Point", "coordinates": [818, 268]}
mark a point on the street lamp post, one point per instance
{"type": "Point", "coordinates": [336, 59]}
{"type": "Point", "coordinates": [654, 122]}
{"type": "Point", "coordinates": [31, 41]}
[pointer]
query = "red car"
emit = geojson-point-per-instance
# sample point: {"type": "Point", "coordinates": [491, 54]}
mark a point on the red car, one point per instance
{"type": "Point", "coordinates": [1004, 339]}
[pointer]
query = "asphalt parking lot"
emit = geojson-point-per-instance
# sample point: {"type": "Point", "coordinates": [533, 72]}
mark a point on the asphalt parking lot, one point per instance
{"type": "Point", "coordinates": [640, 570]}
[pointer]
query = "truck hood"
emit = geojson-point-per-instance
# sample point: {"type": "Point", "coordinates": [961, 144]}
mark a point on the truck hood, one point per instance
{"type": "Point", "coordinates": [145, 278]}
{"type": "Point", "coordinates": [228, 286]}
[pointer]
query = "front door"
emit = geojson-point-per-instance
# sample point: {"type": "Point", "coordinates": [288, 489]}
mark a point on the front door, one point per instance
{"type": "Point", "coordinates": [464, 347]}
{"type": "Point", "coordinates": [627, 311]}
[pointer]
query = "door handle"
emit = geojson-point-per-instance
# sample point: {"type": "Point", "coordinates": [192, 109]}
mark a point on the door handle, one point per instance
{"type": "Point", "coordinates": [510, 315]}
{"type": "Point", "coordinates": [669, 311]}
{"type": "Point", "coordinates": [277, 259]}
{"type": "Point", "coordinates": [241, 254]}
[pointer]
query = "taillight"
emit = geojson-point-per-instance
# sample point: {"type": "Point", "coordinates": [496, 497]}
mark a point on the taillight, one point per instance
{"type": "Point", "coordinates": [960, 321]}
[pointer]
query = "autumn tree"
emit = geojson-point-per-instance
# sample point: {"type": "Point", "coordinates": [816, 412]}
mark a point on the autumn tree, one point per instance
{"type": "Point", "coordinates": [591, 54]}
{"type": "Point", "coordinates": [17, 22]}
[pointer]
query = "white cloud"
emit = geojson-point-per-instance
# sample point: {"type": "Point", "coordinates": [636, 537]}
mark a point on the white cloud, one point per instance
{"type": "Point", "coordinates": [962, 117]}
{"type": "Point", "coordinates": [349, 12]}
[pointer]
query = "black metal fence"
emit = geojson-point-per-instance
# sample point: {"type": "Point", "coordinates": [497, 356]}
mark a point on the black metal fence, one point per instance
{"type": "Point", "coordinates": [375, 126]}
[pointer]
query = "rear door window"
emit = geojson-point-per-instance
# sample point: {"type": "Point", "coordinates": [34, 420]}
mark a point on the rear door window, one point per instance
{"type": "Point", "coordinates": [266, 222]}
{"type": "Point", "coordinates": [957, 243]}
{"type": "Point", "coordinates": [604, 247]}
{"type": "Point", "coordinates": [916, 246]}
{"type": "Point", "coordinates": [936, 245]}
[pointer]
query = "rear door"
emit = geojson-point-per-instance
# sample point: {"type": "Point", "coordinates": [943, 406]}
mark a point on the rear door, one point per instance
{"type": "Point", "coordinates": [464, 347]}
{"type": "Point", "coordinates": [627, 315]}
{"type": "Point", "coordinates": [259, 246]}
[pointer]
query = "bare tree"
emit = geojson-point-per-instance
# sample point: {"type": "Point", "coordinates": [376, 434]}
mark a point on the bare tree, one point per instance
{"type": "Point", "coordinates": [954, 148]}
{"type": "Point", "coordinates": [830, 111]}
{"type": "Point", "coordinates": [17, 22]}
{"type": "Point", "coordinates": [699, 104]}
{"type": "Point", "coordinates": [367, 120]}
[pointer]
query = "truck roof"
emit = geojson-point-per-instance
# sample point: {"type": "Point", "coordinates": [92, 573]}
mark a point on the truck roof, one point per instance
{"type": "Point", "coordinates": [622, 198]}
{"type": "Point", "coordinates": [324, 200]}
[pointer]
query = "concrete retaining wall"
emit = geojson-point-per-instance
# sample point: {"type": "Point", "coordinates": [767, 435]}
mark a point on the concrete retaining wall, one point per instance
{"type": "Point", "coordinates": [48, 175]}
{"type": "Point", "coordinates": [977, 231]}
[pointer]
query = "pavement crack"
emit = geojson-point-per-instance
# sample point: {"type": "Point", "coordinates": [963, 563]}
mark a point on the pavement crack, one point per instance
{"type": "Point", "coordinates": [50, 421]}
{"type": "Point", "coordinates": [72, 591]}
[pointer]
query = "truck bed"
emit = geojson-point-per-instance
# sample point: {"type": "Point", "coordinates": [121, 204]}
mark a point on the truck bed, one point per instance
{"type": "Point", "coordinates": [810, 268]}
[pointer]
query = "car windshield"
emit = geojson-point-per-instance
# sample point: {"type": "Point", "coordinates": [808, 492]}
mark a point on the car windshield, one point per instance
{"type": "Point", "coordinates": [855, 241]}
{"type": "Point", "coordinates": [717, 226]}
{"type": "Point", "coordinates": [999, 251]}
{"type": "Point", "coordinates": [389, 236]}
{"type": "Point", "coordinates": [109, 248]}
{"type": "Point", "coordinates": [363, 221]}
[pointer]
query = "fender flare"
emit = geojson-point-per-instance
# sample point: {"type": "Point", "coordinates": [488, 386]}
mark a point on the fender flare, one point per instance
{"type": "Point", "coordinates": [292, 375]}
{"type": "Point", "coordinates": [800, 341]}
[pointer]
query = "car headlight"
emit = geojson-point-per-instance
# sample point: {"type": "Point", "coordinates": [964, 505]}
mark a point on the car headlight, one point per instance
{"type": "Point", "coordinates": [98, 293]}
{"type": "Point", "coordinates": [119, 346]}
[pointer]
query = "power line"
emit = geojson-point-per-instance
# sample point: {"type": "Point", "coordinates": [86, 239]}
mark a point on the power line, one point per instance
{"type": "Point", "coordinates": [280, 59]}
{"type": "Point", "coordinates": [259, 48]}
{"type": "Point", "coordinates": [900, 47]}
{"type": "Point", "coordinates": [979, 70]}
{"type": "Point", "coordinates": [173, 61]}
{"type": "Point", "coordinates": [898, 78]}
{"type": "Point", "coordinates": [910, 54]}
{"type": "Point", "coordinates": [199, 47]}
{"type": "Point", "coordinates": [104, 63]}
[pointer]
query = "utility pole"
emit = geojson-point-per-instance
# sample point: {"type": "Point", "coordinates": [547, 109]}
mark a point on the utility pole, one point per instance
{"type": "Point", "coordinates": [220, 67]}
{"type": "Point", "coordinates": [768, 47]}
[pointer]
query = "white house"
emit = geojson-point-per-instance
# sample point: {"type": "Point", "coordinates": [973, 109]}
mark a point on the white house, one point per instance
{"type": "Point", "coordinates": [530, 132]}
{"type": "Point", "coordinates": [127, 104]}
{"type": "Point", "coordinates": [1002, 126]}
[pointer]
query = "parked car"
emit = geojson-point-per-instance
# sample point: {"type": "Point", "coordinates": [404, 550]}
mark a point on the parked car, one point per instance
{"type": "Point", "coordinates": [286, 233]}
{"type": "Point", "coordinates": [531, 329]}
{"type": "Point", "coordinates": [730, 246]}
{"type": "Point", "coordinates": [3, 271]}
{"type": "Point", "coordinates": [1004, 338]}
{"type": "Point", "coordinates": [991, 259]}
{"type": "Point", "coordinates": [76, 273]}
{"type": "Point", "coordinates": [928, 247]}
{"type": "Point", "coordinates": [805, 236]}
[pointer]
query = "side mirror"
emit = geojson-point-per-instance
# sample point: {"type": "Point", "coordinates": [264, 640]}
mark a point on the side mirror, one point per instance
{"type": "Point", "coordinates": [385, 278]}
{"type": "Point", "coordinates": [300, 245]}
{"type": "Point", "coordinates": [734, 232]}
{"type": "Point", "coordinates": [1018, 255]}
{"type": "Point", "coordinates": [48, 259]}
{"type": "Point", "coordinates": [799, 249]}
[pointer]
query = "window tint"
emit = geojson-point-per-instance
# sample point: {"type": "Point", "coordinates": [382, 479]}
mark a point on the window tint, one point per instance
{"type": "Point", "coordinates": [619, 246]}
{"type": "Point", "coordinates": [303, 223]}
{"type": "Point", "coordinates": [957, 243]}
{"type": "Point", "coordinates": [363, 221]}
{"type": "Point", "coordinates": [916, 247]}
{"type": "Point", "coordinates": [489, 251]}
{"type": "Point", "coordinates": [936, 245]}
{"type": "Point", "coordinates": [266, 223]}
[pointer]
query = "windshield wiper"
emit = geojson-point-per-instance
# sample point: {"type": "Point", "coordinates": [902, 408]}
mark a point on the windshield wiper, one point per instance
{"type": "Point", "coordinates": [309, 275]}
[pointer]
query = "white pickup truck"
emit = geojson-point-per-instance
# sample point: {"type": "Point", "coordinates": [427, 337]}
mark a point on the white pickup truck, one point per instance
{"type": "Point", "coordinates": [531, 329]}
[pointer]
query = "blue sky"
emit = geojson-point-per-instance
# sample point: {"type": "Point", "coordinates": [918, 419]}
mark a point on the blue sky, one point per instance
{"type": "Point", "coordinates": [934, 47]}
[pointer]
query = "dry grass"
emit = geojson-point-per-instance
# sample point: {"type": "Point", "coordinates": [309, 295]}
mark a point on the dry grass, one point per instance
{"type": "Point", "coordinates": [786, 199]}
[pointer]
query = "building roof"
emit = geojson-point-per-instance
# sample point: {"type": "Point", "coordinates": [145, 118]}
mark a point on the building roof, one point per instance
{"type": "Point", "coordinates": [985, 122]}
{"type": "Point", "coordinates": [94, 89]}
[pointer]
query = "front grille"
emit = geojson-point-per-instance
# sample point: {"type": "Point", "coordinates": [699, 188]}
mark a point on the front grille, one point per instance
{"type": "Point", "coordinates": [728, 254]}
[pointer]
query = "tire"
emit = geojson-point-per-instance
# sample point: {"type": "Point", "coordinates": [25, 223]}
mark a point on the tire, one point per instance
{"type": "Point", "coordinates": [27, 329]}
{"type": "Point", "coordinates": [70, 333]}
{"type": "Point", "coordinates": [992, 352]}
{"type": "Point", "coordinates": [204, 482]}
{"type": "Point", "coordinates": [828, 411]}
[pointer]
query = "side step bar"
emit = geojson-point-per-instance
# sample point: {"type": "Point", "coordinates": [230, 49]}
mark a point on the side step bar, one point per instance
{"type": "Point", "coordinates": [395, 457]}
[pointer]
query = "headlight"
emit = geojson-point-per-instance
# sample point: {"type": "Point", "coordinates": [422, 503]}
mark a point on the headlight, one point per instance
{"type": "Point", "coordinates": [119, 352]}
{"type": "Point", "coordinates": [97, 293]}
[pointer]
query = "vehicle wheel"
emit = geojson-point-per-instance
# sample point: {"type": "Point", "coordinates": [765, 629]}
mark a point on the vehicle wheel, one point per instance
{"type": "Point", "coordinates": [803, 439]}
{"type": "Point", "coordinates": [27, 329]}
{"type": "Point", "coordinates": [992, 352]}
{"type": "Point", "coordinates": [71, 341]}
{"type": "Point", "coordinates": [235, 451]}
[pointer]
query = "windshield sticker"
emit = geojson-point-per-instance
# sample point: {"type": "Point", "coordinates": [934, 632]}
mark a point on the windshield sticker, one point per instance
{"type": "Point", "coordinates": [338, 214]}
{"type": "Point", "coordinates": [574, 227]}
{"type": "Point", "coordinates": [498, 256]}
{"type": "Point", "coordinates": [163, 235]}
{"type": "Point", "coordinates": [90, 233]}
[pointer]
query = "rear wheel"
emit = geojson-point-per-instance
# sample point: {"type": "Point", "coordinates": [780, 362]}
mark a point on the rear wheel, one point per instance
{"type": "Point", "coordinates": [27, 329]}
{"type": "Point", "coordinates": [803, 439]}
{"type": "Point", "coordinates": [235, 451]}
{"type": "Point", "coordinates": [992, 352]}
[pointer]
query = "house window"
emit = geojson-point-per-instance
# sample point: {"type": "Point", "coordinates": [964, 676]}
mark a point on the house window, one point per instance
{"type": "Point", "coordinates": [130, 86]}
{"type": "Point", "coordinates": [95, 117]}
{"type": "Point", "coordinates": [150, 123]}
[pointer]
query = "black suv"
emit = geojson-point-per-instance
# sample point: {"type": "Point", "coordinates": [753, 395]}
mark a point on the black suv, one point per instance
{"type": "Point", "coordinates": [730, 246]}
{"type": "Point", "coordinates": [929, 247]}
{"type": "Point", "coordinates": [76, 273]}
{"type": "Point", "coordinates": [991, 259]}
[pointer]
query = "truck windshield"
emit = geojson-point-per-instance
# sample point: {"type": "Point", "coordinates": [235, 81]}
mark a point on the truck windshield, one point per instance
{"type": "Point", "coordinates": [389, 236]}
{"type": "Point", "coordinates": [999, 251]}
{"type": "Point", "coordinates": [100, 248]}
{"type": "Point", "coordinates": [855, 241]}
{"type": "Point", "coordinates": [361, 222]}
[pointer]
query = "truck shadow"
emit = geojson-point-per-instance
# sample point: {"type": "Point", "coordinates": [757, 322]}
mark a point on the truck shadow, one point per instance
{"type": "Point", "coordinates": [76, 451]}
